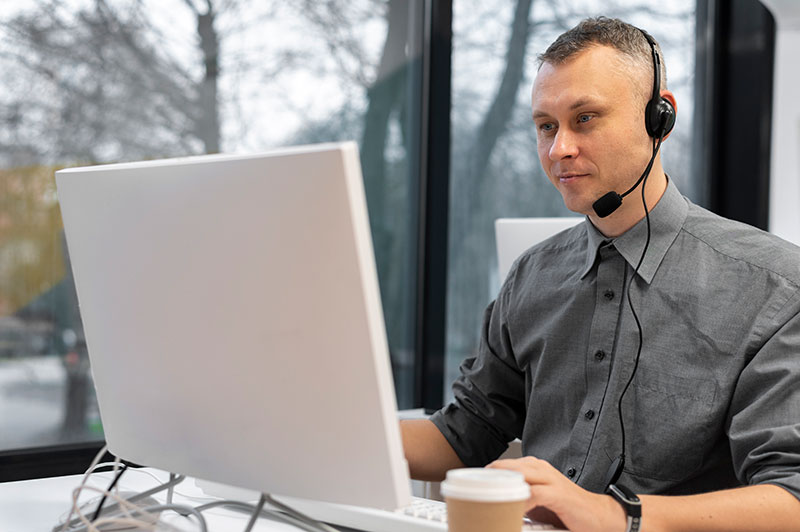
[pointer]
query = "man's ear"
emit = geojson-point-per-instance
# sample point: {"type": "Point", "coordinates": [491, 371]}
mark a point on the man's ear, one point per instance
{"type": "Point", "coordinates": [667, 95]}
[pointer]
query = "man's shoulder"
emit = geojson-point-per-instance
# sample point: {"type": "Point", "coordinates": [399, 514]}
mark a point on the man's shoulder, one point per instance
{"type": "Point", "coordinates": [742, 242]}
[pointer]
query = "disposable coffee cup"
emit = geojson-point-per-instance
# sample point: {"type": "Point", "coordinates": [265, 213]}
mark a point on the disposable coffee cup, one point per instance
{"type": "Point", "coordinates": [485, 500]}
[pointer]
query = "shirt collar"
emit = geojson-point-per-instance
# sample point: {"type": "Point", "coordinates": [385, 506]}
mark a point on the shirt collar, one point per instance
{"type": "Point", "coordinates": [666, 220]}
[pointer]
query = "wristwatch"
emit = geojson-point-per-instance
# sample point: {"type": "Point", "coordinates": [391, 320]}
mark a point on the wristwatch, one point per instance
{"type": "Point", "coordinates": [630, 503]}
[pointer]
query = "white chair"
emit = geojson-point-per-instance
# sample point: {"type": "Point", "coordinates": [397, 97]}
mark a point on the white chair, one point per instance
{"type": "Point", "coordinates": [515, 235]}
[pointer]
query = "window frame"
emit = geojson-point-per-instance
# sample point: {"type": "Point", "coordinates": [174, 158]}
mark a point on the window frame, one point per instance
{"type": "Point", "coordinates": [721, 26]}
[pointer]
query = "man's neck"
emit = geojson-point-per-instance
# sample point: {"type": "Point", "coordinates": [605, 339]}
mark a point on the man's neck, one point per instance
{"type": "Point", "coordinates": [632, 211]}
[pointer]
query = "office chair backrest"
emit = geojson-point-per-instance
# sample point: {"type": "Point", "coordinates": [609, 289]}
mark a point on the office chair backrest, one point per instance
{"type": "Point", "coordinates": [515, 235]}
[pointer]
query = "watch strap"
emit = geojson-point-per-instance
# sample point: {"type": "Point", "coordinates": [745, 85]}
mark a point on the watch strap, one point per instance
{"type": "Point", "coordinates": [630, 503]}
{"type": "Point", "coordinates": [633, 524]}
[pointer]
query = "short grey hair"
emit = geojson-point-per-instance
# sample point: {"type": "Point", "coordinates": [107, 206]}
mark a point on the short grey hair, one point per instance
{"type": "Point", "coordinates": [604, 31]}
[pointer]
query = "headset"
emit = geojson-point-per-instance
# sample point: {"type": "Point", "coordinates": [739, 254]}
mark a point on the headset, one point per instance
{"type": "Point", "coordinates": [659, 119]}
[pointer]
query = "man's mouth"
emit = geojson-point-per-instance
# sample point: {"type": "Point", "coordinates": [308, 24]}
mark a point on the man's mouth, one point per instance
{"type": "Point", "coordinates": [569, 177]}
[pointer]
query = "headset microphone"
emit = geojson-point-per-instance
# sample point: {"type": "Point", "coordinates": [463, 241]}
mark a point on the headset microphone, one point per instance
{"type": "Point", "coordinates": [610, 201]}
{"type": "Point", "coordinates": [607, 204]}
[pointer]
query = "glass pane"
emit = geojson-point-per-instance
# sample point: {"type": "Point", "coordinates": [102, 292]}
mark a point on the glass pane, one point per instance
{"type": "Point", "coordinates": [495, 171]}
{"type": "Point", "coordinates": [88, 82]}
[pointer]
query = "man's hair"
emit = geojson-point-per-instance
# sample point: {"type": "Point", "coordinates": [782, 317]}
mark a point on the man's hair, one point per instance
{"type": "Point", "coordinates": [604, 31]}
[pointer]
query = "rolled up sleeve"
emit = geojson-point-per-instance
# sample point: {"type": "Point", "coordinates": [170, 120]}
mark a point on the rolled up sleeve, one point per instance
{"type": "Point", "coordinates": [764, 422]}
{"type": "Point", "coordinates": [488, 409]}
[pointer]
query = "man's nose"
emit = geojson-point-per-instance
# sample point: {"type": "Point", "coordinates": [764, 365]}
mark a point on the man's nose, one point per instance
{"type": "Point", "coordinates": [564, 145]}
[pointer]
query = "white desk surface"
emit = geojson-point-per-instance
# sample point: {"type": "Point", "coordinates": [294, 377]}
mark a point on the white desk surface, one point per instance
{"type": "Point", "coordinates": [39, 505]}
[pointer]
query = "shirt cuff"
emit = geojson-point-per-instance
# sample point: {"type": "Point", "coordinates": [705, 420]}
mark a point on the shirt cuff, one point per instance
{"type": "Point", "coordinates": [783, 479]}
{"type": "Point", "coordinates": [480, 449]}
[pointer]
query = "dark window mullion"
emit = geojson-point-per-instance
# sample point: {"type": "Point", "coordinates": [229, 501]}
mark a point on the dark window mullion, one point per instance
{"type": "Point", "coordinates": [433, 205]}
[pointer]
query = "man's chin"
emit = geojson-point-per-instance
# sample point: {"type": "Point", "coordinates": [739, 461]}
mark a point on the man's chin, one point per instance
{"type": "Point", "coordinates": [579, 206]}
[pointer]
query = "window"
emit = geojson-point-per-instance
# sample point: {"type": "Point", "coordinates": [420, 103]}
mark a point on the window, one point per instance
{"type": "Point", "coordinates": [93, 81]}
{"type": "Point", "coordinates": [89, 82]}
{"type": "Point", "coordinates": [495, 170]}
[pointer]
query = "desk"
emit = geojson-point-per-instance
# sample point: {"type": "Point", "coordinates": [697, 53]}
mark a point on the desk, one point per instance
{"type": "Point", "coordinates": [38, 505]}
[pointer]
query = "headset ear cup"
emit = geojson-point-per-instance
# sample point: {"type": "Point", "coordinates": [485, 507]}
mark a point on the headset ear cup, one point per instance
{"type": "Point", "coordinates": [659, 118]}
{"type": "Point", "coordinates": [668, 113]}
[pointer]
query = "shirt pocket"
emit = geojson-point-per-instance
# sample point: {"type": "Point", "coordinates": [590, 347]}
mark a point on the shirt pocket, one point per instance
{"type": "Point", "coordinates": [668, 424]}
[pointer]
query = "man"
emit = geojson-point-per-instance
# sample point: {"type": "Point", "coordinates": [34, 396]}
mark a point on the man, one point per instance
{"type": "Point", "coordinates": [711, 418]}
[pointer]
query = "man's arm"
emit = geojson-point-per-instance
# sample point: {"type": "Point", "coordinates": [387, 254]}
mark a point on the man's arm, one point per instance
{"type": "Point", "coordinates": [758, 508]}
{"type": "Point", "coordinates": [428, 453]}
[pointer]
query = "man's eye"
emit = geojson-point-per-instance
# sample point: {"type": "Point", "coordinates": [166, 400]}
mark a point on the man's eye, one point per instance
{"type": "Point", "coordinates": [584, 118]}
{"type": "Point", "coordinates": [546, 127]}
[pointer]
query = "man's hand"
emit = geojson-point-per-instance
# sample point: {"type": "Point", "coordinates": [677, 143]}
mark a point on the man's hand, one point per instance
{"type": "Point", "coordinates": [557, 500]}
{"type": "Point", "coordinates": [757, 508]}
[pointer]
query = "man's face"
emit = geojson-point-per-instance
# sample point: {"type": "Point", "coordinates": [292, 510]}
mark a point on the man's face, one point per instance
{"type": "Point", "coordinates": [590, 130]}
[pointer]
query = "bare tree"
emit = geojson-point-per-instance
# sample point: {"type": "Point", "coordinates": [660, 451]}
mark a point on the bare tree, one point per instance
{"type": "Point", "coordinates": [207, 126]}
{"type": "Point", "coordinates": [103, 86]}
{"type": "Point", "coordinates": [387, 86]}
{"type": "Point", "coordinates": [388, 96]}
{"type": "Point", "coordinates": [471, 230]}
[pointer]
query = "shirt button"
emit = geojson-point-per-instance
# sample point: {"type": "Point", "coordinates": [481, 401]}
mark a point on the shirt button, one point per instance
{"type": "Point", "coordinates": [609, 294]}
{"type": "Point", "coordinates": [600, 355]}
{"type": "Point", "coordinates": [571, 472]}
{"type": "Point", "coordinates": [589, 414]}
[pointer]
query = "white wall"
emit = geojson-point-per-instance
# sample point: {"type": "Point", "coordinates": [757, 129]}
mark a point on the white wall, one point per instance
{"type": "Point", "coordinates": [784, 216]}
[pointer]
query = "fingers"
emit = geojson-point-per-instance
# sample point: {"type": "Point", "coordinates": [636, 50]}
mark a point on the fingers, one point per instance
{"type": "Point", "coordinates": [548, 486]}
{"type": "Point", "coordinates": [534, 470]}
{"type": "Point", "coordinates": [518, 464]}
{"type": "Point", "coordinates": [540, 476]}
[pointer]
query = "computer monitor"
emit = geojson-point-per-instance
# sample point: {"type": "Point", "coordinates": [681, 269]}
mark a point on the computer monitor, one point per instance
{"type": "Point", "coordinates": [233, 321]}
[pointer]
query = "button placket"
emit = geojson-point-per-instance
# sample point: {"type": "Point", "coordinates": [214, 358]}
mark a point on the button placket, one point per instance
{"type": "Point", "coordinates": [608, 284]}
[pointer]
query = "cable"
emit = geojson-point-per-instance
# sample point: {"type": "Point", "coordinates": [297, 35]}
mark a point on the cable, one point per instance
{"type": "Point", "coordinates": [178, 508]}
{"type": "Point", "coordinates": [126, 505]}
{"type": "Point", "coordinates": [617, 465]}
{"type": "Point", "coordinates": [110, 487]}
{"type": "Point", "coordinates": [128, 519]}
{"type": "Point", "coordinates": [249, 508]}
{"type": "Point", "coordinates": [299, 515]}
{"type": "Point", "coordinates": [88, 472]}
{"type": "Point", "coordinates": [125, 512]}
{"type": "Point", "coordinates": [132, 470]}
{"type": "Point", "coordinates": [171, 489]}
{"type": "Point", "coordinates": [256, 512]}
{"type": "Point", "coordinates": [135, 515]}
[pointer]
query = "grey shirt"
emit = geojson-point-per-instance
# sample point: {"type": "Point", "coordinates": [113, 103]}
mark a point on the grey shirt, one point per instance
{"type": "Point", "coordinates": [715, 401]}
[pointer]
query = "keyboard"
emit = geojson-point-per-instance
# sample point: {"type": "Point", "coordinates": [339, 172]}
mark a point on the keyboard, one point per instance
{"type": "Point", "coordinates": [422, 515]}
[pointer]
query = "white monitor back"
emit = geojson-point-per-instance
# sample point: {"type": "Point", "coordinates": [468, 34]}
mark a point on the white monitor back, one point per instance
{"type": "Point", "coordinates": [515, 235]}
{"type": "Point", "coordinates": [234, 324]}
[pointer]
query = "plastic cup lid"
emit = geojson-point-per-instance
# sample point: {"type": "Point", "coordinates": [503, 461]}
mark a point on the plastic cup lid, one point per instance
{"type": "Point", "coordinates": [487, 485]}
